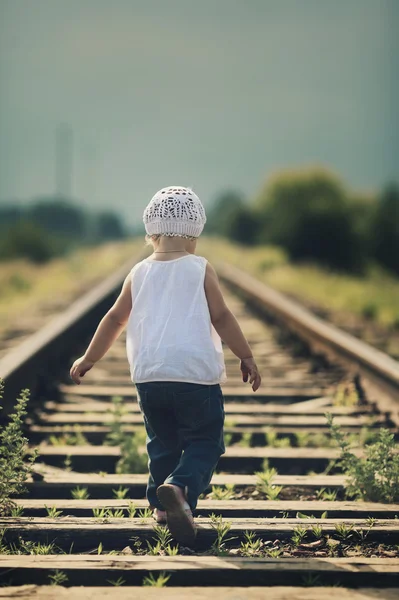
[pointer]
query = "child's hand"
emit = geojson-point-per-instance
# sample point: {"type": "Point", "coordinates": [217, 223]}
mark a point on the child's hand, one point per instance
{"type": "Point", "coordinates": [80, 368]}
{"type": "Point", "coordinates": [248, 368]}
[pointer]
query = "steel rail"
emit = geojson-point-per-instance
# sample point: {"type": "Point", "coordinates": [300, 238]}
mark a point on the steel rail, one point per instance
{"type": "Point", "coordinates": [38, 361]}
{"type": "Point", "coordinates": [378, 372]}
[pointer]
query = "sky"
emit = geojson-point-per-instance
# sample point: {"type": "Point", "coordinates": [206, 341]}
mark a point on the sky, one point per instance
{"type": "Point", "coordinates": [214, 94]}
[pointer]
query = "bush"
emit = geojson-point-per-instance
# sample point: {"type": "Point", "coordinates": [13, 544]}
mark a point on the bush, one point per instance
{"type": "Point", "coordinates": [27, 240]}
{"type": "Point", "coordinates": [14, 470]}
{"type": "Point", "coordinates": [58, 217]}
{"type": "Point", "coordinates": [241, 225]}
{"type": "Point", "coordinates": [385, 229]}
{"type": "Point", "coordinates": [224, 207]}
{"type": "Point", "coordinates": [109, 226]}
{"type": "Point", "coordinates": [374, 477]}
{"type": "Point", "coordinates": [309, 215]}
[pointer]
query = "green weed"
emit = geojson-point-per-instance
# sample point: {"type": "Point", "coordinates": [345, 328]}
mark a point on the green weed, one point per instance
{"type": "Point", "coordinates": [16, 511]}
{"type": "Point", "coordinates": [133, 459]}
{"type": "Point", "coordinates": [162, 541]}
{"type": "Point", "coordinates": [144, 514]}
{"type": "Point", "coordinates": [79, 493]}
{"type": "Point", "coordinates": [264, 483]}
{"type": "Point", "coordinates": [299, 534]}
{"type": "Point", "coordinates": [225, 492]}
{"type": "Point", "coordinates": [120, 493]}
{"type": "Point", "coordinates": [346, 395]}
{"type": "Point", "coordinates": [160, 581]}
{"type": "Point", "coordinates": [251, 546]}
{"type": "Point", "coordinates": [131, 510]}
{"type": "Point", "coordinates": [326, 494]}
{"type": "Point", "coordinates": [15, 468]}
{"type": "Point", "coordinates": [99, 513]}
{"type": "Point", "coordinates": [58, 577]}
{"type": "Point", "coordinates": [343, 531]}
{"type": "Point", "coordinates": [245, 441]}
{"type": "Point", "coordinates": [116, 582]}
{"type": "Point", "coordinates": [374, 476]}
{"type": "Point", "coordinates": [222, 529]}
{"type": "Point", "coordinates": [52, 512]}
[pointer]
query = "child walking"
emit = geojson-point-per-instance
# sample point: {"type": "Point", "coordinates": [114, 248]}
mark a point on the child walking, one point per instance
{"type": "Point", "coordinates": [176, 317]}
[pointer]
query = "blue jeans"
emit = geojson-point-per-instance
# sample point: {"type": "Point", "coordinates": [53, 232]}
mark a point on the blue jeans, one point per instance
{"type": "Point", "coordinates": [184, 424]}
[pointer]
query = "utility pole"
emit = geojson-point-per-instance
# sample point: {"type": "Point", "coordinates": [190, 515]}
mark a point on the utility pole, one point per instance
{"type": "Point", "coordinates": [63, 160]}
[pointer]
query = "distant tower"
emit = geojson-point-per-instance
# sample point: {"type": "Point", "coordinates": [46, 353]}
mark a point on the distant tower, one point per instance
{"type": "Point", "coordinates": [63, 160]}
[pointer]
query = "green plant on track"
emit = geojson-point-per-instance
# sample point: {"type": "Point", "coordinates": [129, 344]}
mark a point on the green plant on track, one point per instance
{"type": "Point", "coordinates": [52, 512]}
{"type": "Point", "coordinates": [99, 513]}
{"type": "Point", "coordinates": [100, 548]}
{"type": "Point", "coordinates": [144, 514]}
{"type": "Point", "coordinates": [4, 549]}
{"type": "Point", "coordinates": [58, 577]}
{"type": "Point", "coordinates": [69, 439]}
{"type": "Point", "coordinates": [299, 534]}
{"type": "Point", "coordinates": [24, 547]}
{"type": "Point", "coordinates": [29, 547]}
{"type": "Point", "coordinates": [133, 458]}
{"type": "Point", "coordinates": [245, 441]}
{"type": "Point", "coordinates": [15, 463]}
{"type": "Point", "coordinates": [317, 531]}
{"type": "Point", "coordinates": [162, 546]}
{"type": "Point", "coordinates": [343, 531]}
{"type": "Point", "coordinates": [374, 476]}
{"type": "Point", "coordinates": [300, 515]}
{"type": "Point", "coordinates": [131, 510]}
{"type": "Point", "coordinates": [80, 493]}
{"type": "Point", "coordinates": [152, 581]}
{"type": "Point", "coordinates": [264, 483]}
{"type": "Point", "coordinates": [346, 395]}
{"type": "Point", "coordinates": [120, 493]}
{"type": "Point", "coordinates": [227, 439]}
{"type": "Point", "coordinates": [225, 492]}
{"type": "Point", "coordinates": [304, 439]}
{"type": "Point", "coordinates": [116, 582]}
{"type": "Point", "coordinates": [273, 440]}
{"type": "Point", "coordinates": [251, 545]}
{"type": "Point", "coordinates": [116, 513]}
{"type": "Point", "coordinates": [326, 495]}
{"type": "Point", "coordinates": [273, 552]}
{"type": "Point", "coordinates": [222, 528]}
{"type": "Point", "coordinates": [311, 580]}
{"type": "Point", "coordinates": [68, 463]}
{"type": "Point", "coordinates": [332, 545]}
{"type": "Point", "coordinates": [17, 511]}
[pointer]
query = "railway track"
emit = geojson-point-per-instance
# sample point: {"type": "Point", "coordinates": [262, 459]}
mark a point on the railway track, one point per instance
{"type": "Point", "coordinates": [291, 529]}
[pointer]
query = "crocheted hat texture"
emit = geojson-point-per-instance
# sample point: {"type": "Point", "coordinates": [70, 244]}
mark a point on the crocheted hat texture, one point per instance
{"type": "Point", "coordinates": [175, 211]}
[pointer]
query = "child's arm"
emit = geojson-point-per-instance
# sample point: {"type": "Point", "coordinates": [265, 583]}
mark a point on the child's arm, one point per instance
{"type": "Point", "coordinates": [109, 329]}
{"type": "Point", "coordinates": [228, 328]}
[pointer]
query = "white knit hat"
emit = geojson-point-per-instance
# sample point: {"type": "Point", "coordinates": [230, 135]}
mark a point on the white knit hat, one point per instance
{"type": "Point", "coordinates": [175, 211]}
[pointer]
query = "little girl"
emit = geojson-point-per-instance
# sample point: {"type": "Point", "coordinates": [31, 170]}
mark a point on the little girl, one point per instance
{"type": "Point", "coordinates": [176, 317]}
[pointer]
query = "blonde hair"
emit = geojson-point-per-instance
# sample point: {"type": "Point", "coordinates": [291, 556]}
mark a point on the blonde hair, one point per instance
{"type": "Point", "coordinates": [155, 237]}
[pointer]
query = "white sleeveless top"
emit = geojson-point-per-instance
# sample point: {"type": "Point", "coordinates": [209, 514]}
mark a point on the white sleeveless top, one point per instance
{"type": "Point", "coordinates": [170, 336]}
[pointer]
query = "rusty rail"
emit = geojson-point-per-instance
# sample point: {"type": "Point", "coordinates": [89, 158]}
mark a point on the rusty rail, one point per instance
{"type": "Point", "coordinates": [38, 362]}
{"type": "Point", "coordinates": [378, 372]}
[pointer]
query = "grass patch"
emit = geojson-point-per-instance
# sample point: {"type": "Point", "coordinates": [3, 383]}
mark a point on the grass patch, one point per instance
{"type": "Point", "coordinates": [375, 476]}
{"type": "Point", "coordinates": [327, 289]}
{"type": "Point", "coordinates": [15, 463]}
{"type": "Point", "coordinates": [24, 285]}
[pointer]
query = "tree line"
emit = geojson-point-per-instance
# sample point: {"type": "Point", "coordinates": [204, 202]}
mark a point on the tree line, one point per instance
{"type": "Point", "coordinates": [51, 226]}
{"type": "Point", "coordinates": [314, 216]}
